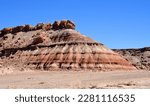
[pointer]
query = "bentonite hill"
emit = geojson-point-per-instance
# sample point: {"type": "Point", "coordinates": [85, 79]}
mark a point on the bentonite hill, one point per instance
{"type": "Point", "coordinates": [56, 46]}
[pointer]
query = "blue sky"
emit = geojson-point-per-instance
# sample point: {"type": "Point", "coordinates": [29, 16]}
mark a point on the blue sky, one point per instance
{"type": "Point", "coordinates": [115, 23]}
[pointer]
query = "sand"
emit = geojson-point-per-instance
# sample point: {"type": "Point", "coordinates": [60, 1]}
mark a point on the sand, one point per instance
{"type": "Point", "coordinates": [72, 79]}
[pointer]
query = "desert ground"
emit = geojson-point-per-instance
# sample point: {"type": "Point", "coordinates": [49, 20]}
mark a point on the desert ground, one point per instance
{"type": "Point", "coordinates": [74, 79]}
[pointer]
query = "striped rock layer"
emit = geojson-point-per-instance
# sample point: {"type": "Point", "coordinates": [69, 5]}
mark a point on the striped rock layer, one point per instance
{"type": "Point", "coordinates": [64, 49]}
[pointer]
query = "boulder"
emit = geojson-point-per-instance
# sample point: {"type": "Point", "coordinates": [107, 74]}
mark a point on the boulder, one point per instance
{"type": "Point", "coordinates": [6, 31]}
{"type": "Point", "coordinates": [70, 25]}
{"type": "Point", "coordinates": [43, 26]}
{"type": "Point", "coordinates": [17, 29]}
{"type": "Point", "coordinates": [66, 24]}
{"type": "Point", "coordinates": [55, 25]}
{"type": "Point", "coordinates": [39, 26]}
{"type": "Point", "coordinates": [27, 28]}
{"type": "Point", "coordinates": [47, 27]}
{"type": "Point", "coordinates": [63, 24]}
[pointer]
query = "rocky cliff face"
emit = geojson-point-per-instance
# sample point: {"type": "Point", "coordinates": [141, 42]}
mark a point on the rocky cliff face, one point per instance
{"type": "Point", "coordinates": [140, 58]}
{"type": "Point", "coordinates": [58, 47]}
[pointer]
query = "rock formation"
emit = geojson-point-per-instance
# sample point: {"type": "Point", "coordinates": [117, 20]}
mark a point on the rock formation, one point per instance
{"type": "Point", "coordinates": [140, 58]}
{"type": "Point", "coordinates": [6, 31]}
{"type": "Point", "coordinates": [58, 47]}
{"type": "Point", "coordinates": [64, 24]}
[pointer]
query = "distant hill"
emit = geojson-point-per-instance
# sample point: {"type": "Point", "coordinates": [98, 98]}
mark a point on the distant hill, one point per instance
{"type": "Point", "coordinates": [140, 58]}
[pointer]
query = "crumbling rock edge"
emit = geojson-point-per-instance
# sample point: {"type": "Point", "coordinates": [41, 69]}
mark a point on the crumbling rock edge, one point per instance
{"type": "Point", "coordinates": [57, 25]}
